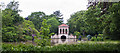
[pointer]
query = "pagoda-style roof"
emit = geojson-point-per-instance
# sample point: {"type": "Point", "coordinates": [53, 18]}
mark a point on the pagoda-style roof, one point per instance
{"type": "Point", "coordinates": [63, 25]}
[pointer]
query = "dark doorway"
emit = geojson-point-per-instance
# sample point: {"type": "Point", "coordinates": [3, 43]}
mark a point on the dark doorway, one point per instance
{"type": "Point", "coordinates": [63, 37]}
{"type": "Point", "coordinates": [63, 40]}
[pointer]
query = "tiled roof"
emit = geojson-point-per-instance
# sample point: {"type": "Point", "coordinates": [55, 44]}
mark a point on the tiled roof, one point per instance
{"type": "Point", "coordinates": [63, 25]}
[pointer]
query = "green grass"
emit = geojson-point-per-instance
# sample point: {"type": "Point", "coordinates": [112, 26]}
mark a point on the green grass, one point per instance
{"type": "Point", "coordinates": [113, 42]}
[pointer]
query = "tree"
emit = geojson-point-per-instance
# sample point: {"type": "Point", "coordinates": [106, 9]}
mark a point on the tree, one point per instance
{"type": "Point", "coordinates": [113, 21]}
{"type": "Point", "coordinates": [91, 21]}
{"type": "Point", "coordinates": [10, 21]}
{"type": "Point", "coordinates": [93, 18]}
{"type": "Point", "coordinates": [27, 29]}
{"type": "Point", "coordinates": [77, 23]}
{"type": "Point", "coordinates": [37, 18]}
{"type": "Point", "coordinates": [13, 5]}
{"type": "Point", "coordinates": [14, 26]}
{"type": "Point", "coordinates": [11, 18]}
{"type": "Point", "coordinates": [59, 16]}
{"type": "Point", "coordinates": [44, 34]}
{"type": "Point", "coordinates": [57, 13]}
{"type": "Point", "coordinates": [10, 34]}
{"type": "Point", "coordinates": [77, 34]}
{"type": "Point", "coordinates": [54, 25]}
{"type": "Point", "coordinates": [105, 18]}
{"type": "Point", "coordinates": [45, 29]}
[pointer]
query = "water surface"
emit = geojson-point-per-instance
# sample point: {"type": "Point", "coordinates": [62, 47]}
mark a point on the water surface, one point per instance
{"type": "Point", "coordinates": [53, 42]}
{"type": "Point", "coordinates": [63, 41]}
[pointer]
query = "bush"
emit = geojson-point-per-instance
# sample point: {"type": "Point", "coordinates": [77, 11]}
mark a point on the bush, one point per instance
{"type": "Point", "coordinates": [28, 37]}
{"type": "Point", "coordinates": [93, 39]}
{"type": "Point", "coordinates": [77, 34]}
{"type": "Point", "coordinates": [107, 38]}
{"type": "Point", "coordinates": [73, 47]}
{"type": "Point", "coordinates": [97, 39]}
{"type": "Point", "coordinates": [101, 35]}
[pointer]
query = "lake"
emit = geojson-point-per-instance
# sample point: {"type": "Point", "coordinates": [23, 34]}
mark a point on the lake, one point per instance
{"type": "Point", "coordinates": [63, 41]}
{"type": "Point", "coordinates": [53, 42]}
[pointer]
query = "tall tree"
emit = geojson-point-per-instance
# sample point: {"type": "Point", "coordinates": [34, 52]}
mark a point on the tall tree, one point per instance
{"type": "Point", "coordinates": [77, 23]}
{"type": "Point", "coordinates": [59, 15]}
{"type": "Point", "coordinates": [54, 24]}
{"type": "Point", "coordinates": [10, 21]}
{"type": "Point", "coordinates": [105, 18]}
{"type": "Point", "coordinates": [13, 5]}
{"type": "Point", "coordinates": [113, 21]}
{"type": "Point", "coordinates": [44, 34]}
{"type": "Point", "coordinates": [37, 18]}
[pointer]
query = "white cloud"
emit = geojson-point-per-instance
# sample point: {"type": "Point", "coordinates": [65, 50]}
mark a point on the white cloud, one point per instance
{"type": "Point", "coordinates": [67, 7]}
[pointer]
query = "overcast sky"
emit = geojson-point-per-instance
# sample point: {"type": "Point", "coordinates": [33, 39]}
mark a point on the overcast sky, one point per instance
{"type": "Point", "coordinates": [66, 7]}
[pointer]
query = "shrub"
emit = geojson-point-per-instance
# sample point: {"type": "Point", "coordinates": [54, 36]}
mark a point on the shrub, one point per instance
{"type": "Point", "coordinates": [93, 39]}
{"type": "Point", "coordinates": [77, 34]}
{"type": "Point", "coordinates": [97, 39]}
{"type": "Point", "coordinates": [28, 37]}
{"type": "Point", "coordinates": [73, 47]}
{"type": "Point", "coordinates": [101, 35]}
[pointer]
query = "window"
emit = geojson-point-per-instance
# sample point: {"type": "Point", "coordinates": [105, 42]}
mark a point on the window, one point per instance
{"type": "Point", "coordinates": [66, 31]}
{"type": "Point", "coordinates": [60, 31]}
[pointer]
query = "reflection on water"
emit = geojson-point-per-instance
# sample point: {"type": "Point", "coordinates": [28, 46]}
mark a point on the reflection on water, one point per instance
{"type": "Point", "coordinates": [53, 42]}
{"type": "Point", "coordinates": [63, 41]}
